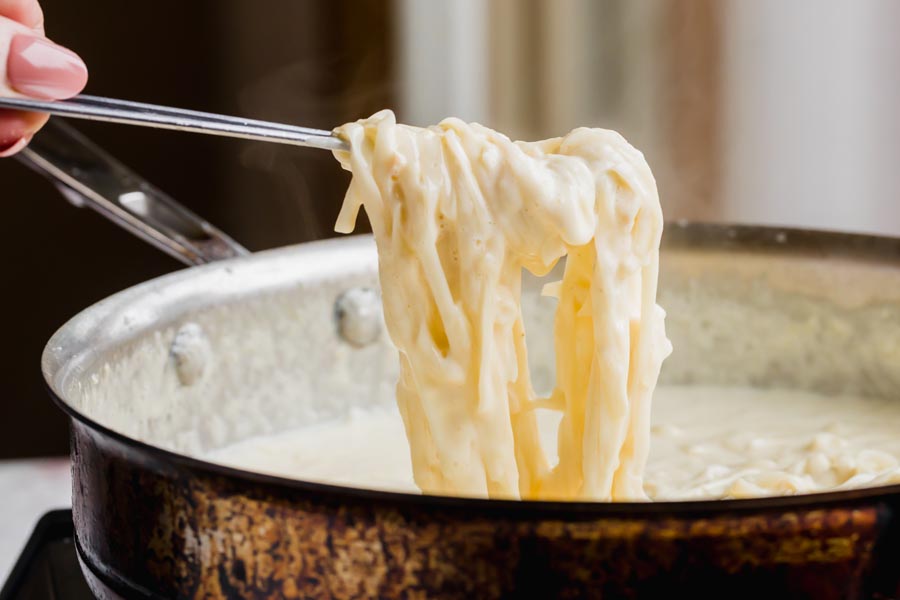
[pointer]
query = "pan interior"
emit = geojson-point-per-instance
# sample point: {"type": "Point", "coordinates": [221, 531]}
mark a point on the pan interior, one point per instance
{"type": "Point", "coordinates": [213, 356]}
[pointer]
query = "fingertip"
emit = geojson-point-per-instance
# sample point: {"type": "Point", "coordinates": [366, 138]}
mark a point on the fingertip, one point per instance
{"type": "Point", "coordinates": [18, 125]}
{"type": "Point", "coordinates": [10, 148]}
{"type": "Point", "coordinates": [26, 12]}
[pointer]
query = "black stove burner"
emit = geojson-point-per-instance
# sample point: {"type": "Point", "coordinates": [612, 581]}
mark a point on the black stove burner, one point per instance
{"type": "Point", "coordinates": [48, 567]}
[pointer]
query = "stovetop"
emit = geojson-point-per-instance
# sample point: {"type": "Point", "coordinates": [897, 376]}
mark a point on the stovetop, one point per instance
{"type": "Point", "coordinates": [48, 566]}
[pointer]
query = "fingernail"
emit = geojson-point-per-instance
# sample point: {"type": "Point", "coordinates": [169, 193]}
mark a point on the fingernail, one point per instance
{"type": "Point", "coordinates": [13, 146]}
{"type": "Point", "coordinates": [39, 68]}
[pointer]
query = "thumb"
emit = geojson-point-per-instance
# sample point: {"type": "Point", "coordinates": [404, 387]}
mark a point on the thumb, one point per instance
{"type": "Point", "coordinates": [32, 66]}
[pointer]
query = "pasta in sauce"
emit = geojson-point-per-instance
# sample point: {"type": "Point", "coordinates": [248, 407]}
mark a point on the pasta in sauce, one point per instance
{"type": "Point", "coordinates": [457, 211]}
{"type": "Point", "coordinates": [708, 442]}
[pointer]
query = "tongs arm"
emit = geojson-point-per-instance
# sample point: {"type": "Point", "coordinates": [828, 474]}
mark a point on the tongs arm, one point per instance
{"type": "Point", "coordinates": [88, 176]}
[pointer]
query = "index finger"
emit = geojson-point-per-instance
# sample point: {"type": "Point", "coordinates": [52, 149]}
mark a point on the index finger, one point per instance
{"type": "Point", "coordinates": [26, 12]}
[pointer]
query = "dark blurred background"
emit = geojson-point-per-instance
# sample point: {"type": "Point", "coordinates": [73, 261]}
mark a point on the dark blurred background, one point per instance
{"type": "Point", "coordinates": [759, 111]}
{"type": "Point", "coordinates": [293, 61]}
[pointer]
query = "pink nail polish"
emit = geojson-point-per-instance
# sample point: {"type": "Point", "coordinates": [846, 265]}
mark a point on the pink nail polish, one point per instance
{"type": "Point", "coordinates": [39, 68]}
{"type": "Point", "coordinates": [8, 149]}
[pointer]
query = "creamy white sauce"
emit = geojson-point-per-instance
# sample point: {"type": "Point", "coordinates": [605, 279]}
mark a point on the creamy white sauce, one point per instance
{"type": "Point", "coordinates": [706, 442]}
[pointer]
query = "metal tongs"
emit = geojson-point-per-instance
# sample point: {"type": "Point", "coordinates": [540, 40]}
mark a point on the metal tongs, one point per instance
{"type": "Point", "coordinates": [95, 108]}
{"type": "Point", "coordinates": [88, 176]}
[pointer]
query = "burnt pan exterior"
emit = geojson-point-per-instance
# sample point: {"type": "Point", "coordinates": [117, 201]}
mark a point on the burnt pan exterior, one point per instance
{"type": "Point", "coordinates": [155, 525]}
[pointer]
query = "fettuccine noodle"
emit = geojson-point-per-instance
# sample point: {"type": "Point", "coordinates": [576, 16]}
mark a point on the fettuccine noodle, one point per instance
{"type": "Point", "coordinates": [457, 211]}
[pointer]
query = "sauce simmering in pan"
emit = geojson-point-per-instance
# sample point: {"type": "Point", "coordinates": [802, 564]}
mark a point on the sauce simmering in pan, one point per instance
{"type": "Point", "coordinates": [458, 211]}
{"type": "Point", "coordinates": [707, 442]}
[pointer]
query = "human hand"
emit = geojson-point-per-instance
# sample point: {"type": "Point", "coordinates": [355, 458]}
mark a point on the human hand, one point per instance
{"type": "Point", "coordinates": [31, 66]}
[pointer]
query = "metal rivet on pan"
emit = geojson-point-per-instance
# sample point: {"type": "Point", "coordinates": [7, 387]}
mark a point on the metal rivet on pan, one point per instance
{"type": "Point", "coordinates": [357, 313]}
{"type": "Point", "coordinates": [191, 353]}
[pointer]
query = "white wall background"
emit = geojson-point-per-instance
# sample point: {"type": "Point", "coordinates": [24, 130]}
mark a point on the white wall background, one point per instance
{"type": "Point", "coordinates": [810, 96]}
{"type": "Point", "coordinates": [442, 60]}
{"type": "Point", "coordinates": [811, 110]}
